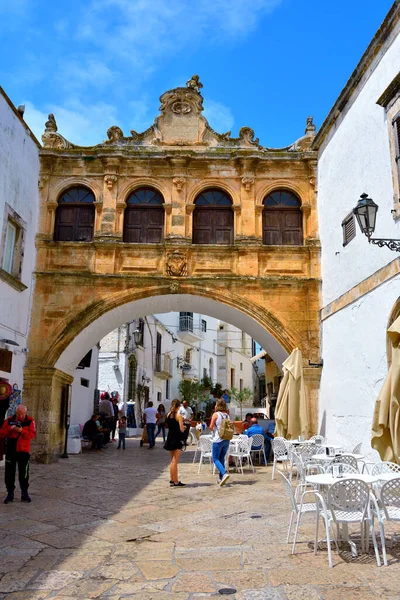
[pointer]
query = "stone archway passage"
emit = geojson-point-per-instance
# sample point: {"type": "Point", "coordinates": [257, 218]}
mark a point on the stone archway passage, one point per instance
{"type": "Point", "coordinates": [86, 312]}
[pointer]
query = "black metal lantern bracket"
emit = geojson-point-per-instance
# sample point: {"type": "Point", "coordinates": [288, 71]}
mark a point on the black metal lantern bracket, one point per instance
{"type": "Point", "coordinates": [365, 213]}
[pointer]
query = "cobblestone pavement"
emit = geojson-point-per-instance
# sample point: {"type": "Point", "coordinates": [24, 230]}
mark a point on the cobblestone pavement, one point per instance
{"type": "Point", "coordinates": [107, 525]}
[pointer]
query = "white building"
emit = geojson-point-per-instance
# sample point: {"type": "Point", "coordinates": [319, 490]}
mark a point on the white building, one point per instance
{"type": "Point", "coordinates": [84, 388]}
{"type": "Point", "coordinates": [168, 348]}
{"type": "Point", "coordinates": [358, 144]}
{"type": "Point", "coordinates": [19, 204]}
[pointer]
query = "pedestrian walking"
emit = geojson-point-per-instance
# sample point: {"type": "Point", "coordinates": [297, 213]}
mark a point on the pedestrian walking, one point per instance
{"type": "Point", "coordinates": [19, 430]}
{"type": "Point", "coordinates": [174, 443]}
{"type": "Point", "coordinates": [121, 433]}
{"type": "Point", "coordinates": [150, 419]}
{"type": "Point", "coordinates": [161, 418]}
{"type": "Point", "coordinates": [220, 445]}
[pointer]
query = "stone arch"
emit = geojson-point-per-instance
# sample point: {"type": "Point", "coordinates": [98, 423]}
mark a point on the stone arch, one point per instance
{"type": "Point", "coordinates": [279, 184]}
{"type": "Point", "coordinates": [74, 333]}
{"type": "Point", "coordinates": [63, 185]}
{"type": "Point", "coordinates": [215, 184]}
{"type": "Point", "coordinates": [130, 186]}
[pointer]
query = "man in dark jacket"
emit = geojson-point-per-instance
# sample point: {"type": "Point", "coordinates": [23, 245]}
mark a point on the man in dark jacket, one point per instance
{"type": "Point", "coordinates": [19, 430]}
{"type": "Point", "coordinates": [91, 431]}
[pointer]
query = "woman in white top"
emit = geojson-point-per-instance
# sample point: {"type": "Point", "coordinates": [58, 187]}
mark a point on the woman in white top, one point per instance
{"type": "Point", "coordinates": [219, 447]}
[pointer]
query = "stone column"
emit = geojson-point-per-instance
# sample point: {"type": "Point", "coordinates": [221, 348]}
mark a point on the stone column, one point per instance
{"type": "Point", "coordinates": [312, 377]}
{"type": "Point", "coordinates": [175, 229]}
{"type": "Point", "coordinates": [43, 393]}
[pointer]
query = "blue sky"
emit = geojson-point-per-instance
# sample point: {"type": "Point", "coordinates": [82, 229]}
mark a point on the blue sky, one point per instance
{"type": "Point", "coordinates": [267, 64]}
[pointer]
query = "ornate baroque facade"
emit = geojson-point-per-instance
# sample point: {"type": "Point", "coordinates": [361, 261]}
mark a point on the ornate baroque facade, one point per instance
{"type": "Point", "coordinates": [179, 159]}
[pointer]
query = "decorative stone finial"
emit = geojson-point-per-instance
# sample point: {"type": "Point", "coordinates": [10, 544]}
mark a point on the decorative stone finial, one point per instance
{"type": "Point", "coordinates": [310, 127]}
{"type": "Point", "coordinates": [51, 125]}
{"type": "Point", "coordinates": [114, 134]}
{"type": "Point", "coordinates": [194, 83]}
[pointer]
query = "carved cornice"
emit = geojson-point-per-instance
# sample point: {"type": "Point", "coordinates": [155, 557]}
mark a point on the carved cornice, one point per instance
{"type": "Point", "coordinates": [189, 208]}
{"type": "Point", "coordinates": [43, 179]}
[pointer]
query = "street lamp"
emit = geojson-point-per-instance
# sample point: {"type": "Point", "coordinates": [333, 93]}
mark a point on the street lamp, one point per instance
{"type": "Point", "coordinates": [137, 336]}
{"type": "Point", "coordinates": [365, 213]}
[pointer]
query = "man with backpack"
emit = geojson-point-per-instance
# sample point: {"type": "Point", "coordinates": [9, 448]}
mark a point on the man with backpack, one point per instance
{"type": "Point", "coordinates": [223, 429]}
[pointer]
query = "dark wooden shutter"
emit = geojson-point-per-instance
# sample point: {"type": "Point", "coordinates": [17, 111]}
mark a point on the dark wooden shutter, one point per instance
{"type": "Point", "coordinates": [271, 228]}
{"type": "Point", "coordinates": [154, 225]}
{"type": "Point", "coordinates": [144, 225]}
{"type": "Point", "coordinates": [282, 227]}
{"type": "Point", "coordinates": [223, 226]}
{"type": "Point", "coordinates": [396, 130]}
{"type": "Point", "coordinates": [84, 223]}
{"type": "Point", "coordinates": [65, 222]}
{"type": "Point", "coordinates": [202, 226]}
{"type": "Point", "coordinates": [213, 226]}
{"type": "Point", "coordinates": [348, 229]}
{"type": "Point", "coordinates": [292, 233]}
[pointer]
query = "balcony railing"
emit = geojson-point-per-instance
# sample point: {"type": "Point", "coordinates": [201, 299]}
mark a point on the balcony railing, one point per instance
{"type": "Point", "coordinates": [190, 325]}
{"type": "Point", "coordinates": [163, 366]}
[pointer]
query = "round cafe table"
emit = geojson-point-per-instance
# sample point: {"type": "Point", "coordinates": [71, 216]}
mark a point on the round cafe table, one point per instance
{"type": "Point", "coordinates": [323, 479]}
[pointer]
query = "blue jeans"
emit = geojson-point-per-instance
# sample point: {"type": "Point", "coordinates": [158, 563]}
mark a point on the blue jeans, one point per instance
{"type": "Point", "coordinates": [219, 450]}
{"type": "Point", "coordinates": [161, 427]}
{"type": "Point", "coordinates": [121, 438]}
{"type": "Point", "coordinates": [150, 433]}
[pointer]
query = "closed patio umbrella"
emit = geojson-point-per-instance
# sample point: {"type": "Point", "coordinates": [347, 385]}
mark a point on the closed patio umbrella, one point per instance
{"type": "Point", "coordinates": [291, 407]}
{"type": "Point", "coordinates": [385, 423]}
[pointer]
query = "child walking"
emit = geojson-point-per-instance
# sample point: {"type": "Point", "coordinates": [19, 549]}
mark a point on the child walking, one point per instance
{"type": "Point", "coordinates": [121, 433]}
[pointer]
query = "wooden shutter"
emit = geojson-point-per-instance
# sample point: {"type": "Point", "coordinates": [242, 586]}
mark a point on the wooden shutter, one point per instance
{"type": "Point", "coordinates": [282, 227]}
{"type": "Point", "coordinates": [84, 223]}
{"type": "Point", "coordinates": [153, 225]}
{"type": "Point", "coordinates": [223, 226]}
{"type": "Point", "coordinates": [202, 226]}
{"type": "Point", "coordinates": [65, 221]}
{"type": "Point", "coordinates": [396, 130]}
{"type": "Point", "coordinates": [6, 357]}
{"type": "Point", "coordinates": [292, 234]}
{"type": "Point", "coordinates": [271, 228]}
{"type": "Point", "coordinates": [349, 229]}
{"type": "Point", "coordinates": [144, 225]}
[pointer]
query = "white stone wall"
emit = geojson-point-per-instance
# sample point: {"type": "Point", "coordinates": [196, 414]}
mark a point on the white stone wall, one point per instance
{"type": "Point", "coordinates": [83, 397]}
{"type": "Point", "coordinates": [356, 159]}
{"type": "Point", "coordinates": [112, 362]}
{"type": "Point", "coordinates": [19, 175]}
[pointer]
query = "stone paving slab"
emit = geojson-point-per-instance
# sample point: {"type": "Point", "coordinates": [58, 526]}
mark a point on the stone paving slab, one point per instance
{"type": "Point", "coordinates": [107, 525]}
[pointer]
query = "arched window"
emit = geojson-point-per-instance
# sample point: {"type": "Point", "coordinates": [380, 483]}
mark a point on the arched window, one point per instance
{"type": "Point", "coordinates": [213, 218]}
{"type": "Point", "coordinates": [75, 216]}
{"type": "Point", "coordinates": [282, 219]}
{"type": "Point", "coordinates": [144, 217]}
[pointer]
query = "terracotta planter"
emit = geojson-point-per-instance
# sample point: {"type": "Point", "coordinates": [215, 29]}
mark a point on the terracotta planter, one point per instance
{"type": "Point", "coordinates": [238, 426]}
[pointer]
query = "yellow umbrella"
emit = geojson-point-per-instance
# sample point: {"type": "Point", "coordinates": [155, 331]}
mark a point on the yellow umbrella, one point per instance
{"type": "Point", "coordinates": [291, 407]}
{"type": "Point", "coordinates": [385, 423]}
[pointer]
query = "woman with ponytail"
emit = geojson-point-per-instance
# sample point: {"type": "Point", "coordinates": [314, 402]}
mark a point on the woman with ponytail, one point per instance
{"type": "Point", "coordinates": [174, 442]}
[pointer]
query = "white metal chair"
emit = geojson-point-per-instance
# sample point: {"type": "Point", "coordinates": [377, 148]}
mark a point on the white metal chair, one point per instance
{"type": "Point", "coordinates": [346, 459]}
{"type": "Point", "coordinates": [385, 467]}
{"type": "Point", "coordinates": [345, 468]}
{"type": "Point", "coordinates": [389, 510]}
{"type": "Point", "coordinates": [257, 446]}
{"type": "Point", "coordinates": [349, 501]}
{"type": "Point", "coordinates": [281, 453]}
{"type": "Point", "coordinates": [298, 508]}
{"type": "Point", "coordinates": [240, 451]}
{"type": "Point", "coordinates": [303, 468]}
{"type": "Point", "coordinates": [357, 449]}
{"type": "Point", "coordinates": [205, 448]}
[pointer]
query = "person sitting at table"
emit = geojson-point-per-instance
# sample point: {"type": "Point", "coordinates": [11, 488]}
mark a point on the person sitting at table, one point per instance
{"type": "Point", "coordinates": [247, 421]}
{"type": "Point", "coordinates": [268, 436]}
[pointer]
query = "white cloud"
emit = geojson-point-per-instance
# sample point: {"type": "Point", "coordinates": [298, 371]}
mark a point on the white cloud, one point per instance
{"type": "Point", "coordinates": [80, 124]}
{"type": "Point", "coordinates": [85, 71]}
{"type": "Point", "coordinates": [143, 31]}
{"type": "Point", "coordinates": [219, 116]}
